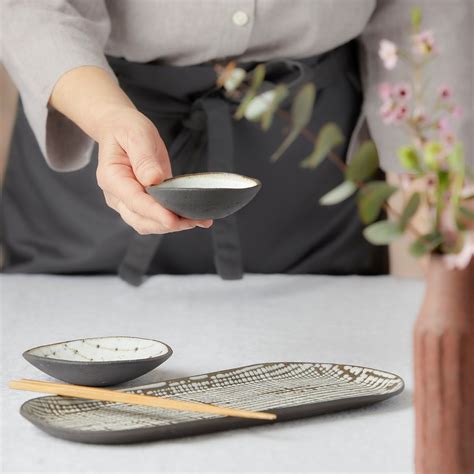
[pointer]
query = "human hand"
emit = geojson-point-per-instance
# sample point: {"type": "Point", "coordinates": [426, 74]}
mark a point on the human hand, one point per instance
{"type": "Point", "coordinates": [132, 155]}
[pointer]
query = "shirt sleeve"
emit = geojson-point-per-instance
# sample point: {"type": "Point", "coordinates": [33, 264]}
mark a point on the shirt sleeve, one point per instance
{"type": "Point", "coordinates": [453, 25]}
{"type": "Point", "coordinates": [42, 40]}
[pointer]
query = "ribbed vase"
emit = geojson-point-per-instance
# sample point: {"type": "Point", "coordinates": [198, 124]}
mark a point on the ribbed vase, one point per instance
{"type": "Point", "coordinates": [444, 372]}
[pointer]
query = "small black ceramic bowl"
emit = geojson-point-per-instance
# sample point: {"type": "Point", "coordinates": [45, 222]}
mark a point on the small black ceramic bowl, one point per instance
{"type": "Point", "coordinates": [99, 361]}
{"type": "Point", "coordinates": [205, 195]}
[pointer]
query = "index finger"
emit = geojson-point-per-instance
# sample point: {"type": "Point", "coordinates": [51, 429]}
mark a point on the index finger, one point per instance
{"type": "Point", "coordinates": [127, 189]}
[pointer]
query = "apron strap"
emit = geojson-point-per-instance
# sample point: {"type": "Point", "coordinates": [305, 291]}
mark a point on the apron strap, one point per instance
{"type": "Point", "coordinates": [137, 259]}
{"type": "Point", "coordinates": [142, 248]}
{"type": "Point", "coordinates": [225, 238]}
{"type": "Point", "coordinates": [220, 152]}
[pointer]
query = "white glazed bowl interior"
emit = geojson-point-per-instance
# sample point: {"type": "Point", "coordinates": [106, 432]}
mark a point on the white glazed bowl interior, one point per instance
{"type": "Point", "coordinates": [102, 349]}
{"type": "Point", "coordinates": [209, 181]}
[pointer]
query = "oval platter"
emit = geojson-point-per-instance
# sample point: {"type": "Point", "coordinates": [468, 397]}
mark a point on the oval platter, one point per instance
{"type": "Point", "coordinates": [292, 390]}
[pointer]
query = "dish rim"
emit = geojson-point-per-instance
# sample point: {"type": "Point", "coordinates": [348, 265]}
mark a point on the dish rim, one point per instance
{"type": "Point", "coordinates": [257, 182]}
{"type": "Point", "coordinates": [168, 353]}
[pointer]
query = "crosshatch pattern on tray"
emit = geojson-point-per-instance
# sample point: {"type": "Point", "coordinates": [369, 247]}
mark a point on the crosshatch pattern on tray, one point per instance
{"type": "Point", "coordinates": [261, 387]}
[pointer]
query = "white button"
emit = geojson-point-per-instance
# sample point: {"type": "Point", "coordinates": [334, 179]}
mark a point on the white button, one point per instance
{"type": "Point", "coordinates": [240, 18]}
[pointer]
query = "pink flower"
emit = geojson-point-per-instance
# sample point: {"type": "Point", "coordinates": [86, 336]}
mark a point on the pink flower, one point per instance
{"type": "Point", "coordinates": [445, 93]}
{"type": "Point", "coordinates": [448, 138]}
{"type": "Point", "coordinates": [456, 111]}
{"type": "Point", "coordinates": [388, 53]}
{"type": "Point", "coordinates": [423, 43]}
{"type": "Point", "coordinates": [402, 91]}
{"type": "Point", "coordinates": [385, 91]}
{"type": "Point", "coordinates": [400, 114]}
{"type": "Point", "coordinates": [443, 124]}
{"type": "Point", "coordinates": [461, 260]}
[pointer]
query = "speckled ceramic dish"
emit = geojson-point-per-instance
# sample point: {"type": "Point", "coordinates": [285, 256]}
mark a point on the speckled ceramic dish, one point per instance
{"type": "Point", "coordinates": [205, 195]}
{"type": "Point", "coordinates": [99, 361]}
{"type": "Point", "coordinates": [290, 389]}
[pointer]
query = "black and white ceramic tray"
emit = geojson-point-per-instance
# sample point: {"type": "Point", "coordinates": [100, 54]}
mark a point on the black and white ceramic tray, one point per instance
{"type": "Point", "coordinates": [290, 389]}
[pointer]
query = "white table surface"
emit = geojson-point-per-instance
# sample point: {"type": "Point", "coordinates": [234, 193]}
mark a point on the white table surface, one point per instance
{"type": "Point", "coordinates": [212, 325]}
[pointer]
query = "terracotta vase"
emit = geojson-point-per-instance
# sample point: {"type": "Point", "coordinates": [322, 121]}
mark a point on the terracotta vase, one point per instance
{"type": "Point", "coordinates": [444, 372]}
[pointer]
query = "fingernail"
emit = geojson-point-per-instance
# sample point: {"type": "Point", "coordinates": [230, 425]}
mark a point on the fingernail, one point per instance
{"type": "Point", "coordinates": [205, 226]}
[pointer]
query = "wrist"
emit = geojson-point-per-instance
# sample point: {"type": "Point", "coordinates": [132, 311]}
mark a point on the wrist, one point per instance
{"type": "Point", "coordinates": [107, 118]}
{"type": "Point", "coordinates": [89, 96]}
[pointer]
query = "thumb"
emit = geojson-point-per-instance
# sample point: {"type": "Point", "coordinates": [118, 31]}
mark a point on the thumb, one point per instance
{"type": "Point", "coordinates": [149, 158]}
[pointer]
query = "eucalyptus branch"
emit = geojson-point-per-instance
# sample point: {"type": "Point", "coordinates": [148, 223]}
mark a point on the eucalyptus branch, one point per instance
{"type": "Point", "coordinates": [311, 137]}
{"type": "Point", "coordinates": [434, 154]}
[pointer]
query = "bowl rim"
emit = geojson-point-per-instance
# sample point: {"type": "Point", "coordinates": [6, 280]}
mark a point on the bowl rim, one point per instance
{"type": "Point", "coordinates": [27, 354]}
{"type": "Point", "coordinates": [257, 182]}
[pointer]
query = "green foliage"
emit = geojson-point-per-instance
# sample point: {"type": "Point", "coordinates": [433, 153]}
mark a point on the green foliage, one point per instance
{"type": "Point", "coordinates": [372, 198]}
{"type": "Point", "coordinates": [466, 213]}
{"type": "Point", "coordinates": [258, 75]}
{"type": "Point", "coordinates": [364, 164]}
{"type": "Point", "coordinates": [456, 159]}
{"type": "Point", "coordinates": [301, 111]}
{"type": "Point", "coordinates": [409, 159]}
{"type": "Point", "coordinates": [431, 155]}
{"type": "Point", "coordinates": [416, 17]}
{"type": "Point", "coordinates": [410, 210]}
{"type": "Point", "coordinates": [469, 173]}
{"type": "Point", "coordinates": [338, 194]}
{"type": "Point", "coordinates": [382, 232]}
{"type": "Point", "coordinates": [329, 137]}
{"type": "Point", "coordinates": [281, 92]}
{"type": "Point", "coordinates": [426, 244]}
{"type": "Point", "coordinates": [443, 186]}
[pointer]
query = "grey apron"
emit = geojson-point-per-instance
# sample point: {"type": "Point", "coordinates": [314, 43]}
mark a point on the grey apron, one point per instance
{"type": "Point", "coordinates": [59, 223]}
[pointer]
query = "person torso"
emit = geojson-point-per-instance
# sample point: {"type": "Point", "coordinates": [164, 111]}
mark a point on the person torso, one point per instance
{"type": "Point", "coordinates": [185, 32]}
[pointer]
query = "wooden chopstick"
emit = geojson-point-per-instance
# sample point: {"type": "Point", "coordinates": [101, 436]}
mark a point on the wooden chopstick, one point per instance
{"type": "Point", "coordinates": [106, 395]}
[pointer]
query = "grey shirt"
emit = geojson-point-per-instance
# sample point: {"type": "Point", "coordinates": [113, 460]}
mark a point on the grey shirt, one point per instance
{"type": "Point", "coordinates": [43, 39]}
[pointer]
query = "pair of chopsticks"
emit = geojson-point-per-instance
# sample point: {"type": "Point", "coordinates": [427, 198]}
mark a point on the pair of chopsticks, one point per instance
{"type": "Point", "coordinates": [106, 395]}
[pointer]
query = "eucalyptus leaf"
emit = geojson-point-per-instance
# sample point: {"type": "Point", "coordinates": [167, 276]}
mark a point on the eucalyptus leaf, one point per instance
{"type": "Point", "coordinates": [257, 77]}
{"type": "Point", "coordinates": [426, 244]}
{"type": "Point", "coordinates": [338, 194]}
{"type": "Point", "coordinates": [364, 164]}
{"type": "Point", "coordinates": [301, 111]}
{"type": "Point", "coordinates": [467, 213]}
{"type": "Point", "coordinates": [410, 210]}
{"type": "Point", "coordinates": [290, 138]}
{"type": "Point", "coordinates": [329, 137]}
{"type": "Point", "coordinates": [382, 232]}
{"type": "Point", "coordinates": [281, 92]}
{"type": "Point", "coordinates": [371, 199]}
{"type": "Point", "coordinates": [240, 112]}
{"type": "Point", "coordinates": [302, 107]}
{"type": "Point", "coordinates": [259, 105]}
